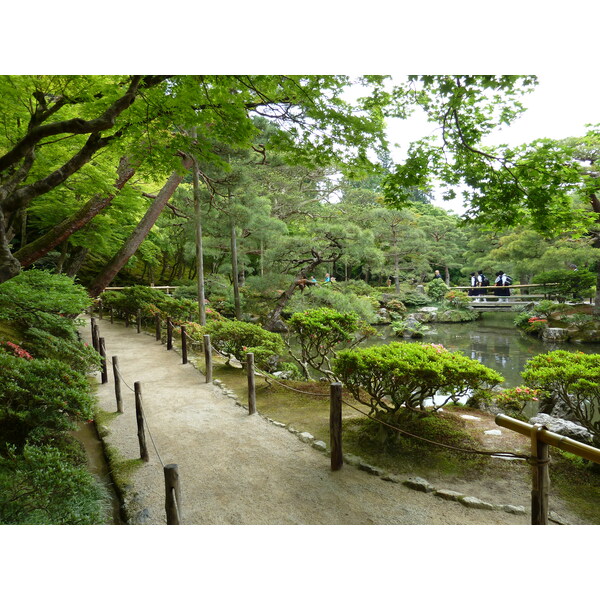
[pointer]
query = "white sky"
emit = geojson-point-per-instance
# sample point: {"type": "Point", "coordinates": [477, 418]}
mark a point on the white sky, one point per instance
{"type": "Point", "coordinates": [560, 106]}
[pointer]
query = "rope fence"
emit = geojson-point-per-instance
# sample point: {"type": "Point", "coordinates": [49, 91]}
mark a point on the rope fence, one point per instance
{"type": "Point", "coordinates": [170, 472]}
{"type": "Point", "coordinates": [538, 458]}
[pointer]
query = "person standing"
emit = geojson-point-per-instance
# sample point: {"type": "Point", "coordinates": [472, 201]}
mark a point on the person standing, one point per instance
{"type": "Point", "coordinates": [502, 282]}
{"type": "Point", "coordinates": [437, 275]}
{"type": "Point", "coordinates": [473, 290]}
{"type": "Point", "coordinates": [482, 283]}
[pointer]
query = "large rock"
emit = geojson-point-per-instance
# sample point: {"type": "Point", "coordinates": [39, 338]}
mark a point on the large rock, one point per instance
{"type": "Point", "coordinates": [563, 427]}
{"type": "Point", "coordinates": [383, 317]}
{"type": "Point", "coordinates": [555, 334]}
{"type": "Point", "coordinates": [425, 314]}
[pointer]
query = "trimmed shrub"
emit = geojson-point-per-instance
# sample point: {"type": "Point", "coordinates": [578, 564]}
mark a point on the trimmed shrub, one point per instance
{"type": "Point", "coordinates": [388, 377]}
{"type": "Point", "coordinates": [237, 338]}
{"type": "Point", "coordinates": [436, 290]}
{"type": "Point", "coordinates": [572, 378]}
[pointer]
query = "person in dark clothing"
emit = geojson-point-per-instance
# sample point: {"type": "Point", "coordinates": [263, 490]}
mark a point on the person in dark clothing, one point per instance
{"type": "Point", "coordinates": [501, 283]}
{"type": "Point", "coordinates": [473, 290]}
{"type": "Point", "coordinates": [482, 283]}
{"type": "Point", "coordinates": [437, 275]}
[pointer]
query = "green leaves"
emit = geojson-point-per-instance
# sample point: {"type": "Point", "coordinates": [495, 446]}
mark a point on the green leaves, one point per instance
{"type": "Point", "coordinates": [407, 374]}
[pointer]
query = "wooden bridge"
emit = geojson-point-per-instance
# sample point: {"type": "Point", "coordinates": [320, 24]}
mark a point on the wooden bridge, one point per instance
{"type": "Point", "coordinates": [490, 301]}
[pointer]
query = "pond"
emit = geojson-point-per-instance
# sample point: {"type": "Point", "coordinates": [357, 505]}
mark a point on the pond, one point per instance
{"type": "Point", "coordinates": [493, 340]}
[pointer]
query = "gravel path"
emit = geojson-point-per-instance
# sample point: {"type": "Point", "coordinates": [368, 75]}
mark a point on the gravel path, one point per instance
{"type": "Point", "coordinates": [241, 469]}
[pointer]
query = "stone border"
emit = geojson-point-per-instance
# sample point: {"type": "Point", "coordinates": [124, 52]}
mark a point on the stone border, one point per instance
{"type": "Point", "coordinates": [415, 483]}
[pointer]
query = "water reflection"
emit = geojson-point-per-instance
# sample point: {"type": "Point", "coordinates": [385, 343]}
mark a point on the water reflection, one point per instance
{"type": "Point", "coordinates": [493, 340]}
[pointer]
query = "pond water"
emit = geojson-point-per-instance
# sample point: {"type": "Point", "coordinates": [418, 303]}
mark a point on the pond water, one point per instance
{"type": "Point", "coordinates": [493, 340]}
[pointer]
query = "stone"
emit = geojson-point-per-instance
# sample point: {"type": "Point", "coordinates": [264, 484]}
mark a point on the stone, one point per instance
{"type": "Point", "coordinates": [472, 502]}
{"type": "Point", "coordinates": [555, 334]}
{"type": "Point", "coordinates": [319, 445]}
{"type": "Point", "coordinates": [470, 418]}
{"type": "Point", "coordinates": [449, 495]}
{"type": "Point", "coordinates": [350, 459]}
{"type": "Point", "coordinates": [278, 424]}
{"type": "Point", "coordinates": [563, 427]}
{"type": "Point", "coordinates": [392, 478]}
{"type": "Point", "coordinates": [306, 437]}
{"type": "Point", "coordinates": [370, 469]}
{"type": "Point", "coordinates": [383, 316]}
{"type": "Point", "coordinates": [552, 516]}
{"type": "Point", "coordinates": [419, 484]}
{"type": "Point", "coordinates": [492, 432]}
{"type": "Point", "coordinates": [513, 510]}
{"type": "Point", "coordinates": [278, 326]}
{"type": "Point", "coordinates": [282, 374]}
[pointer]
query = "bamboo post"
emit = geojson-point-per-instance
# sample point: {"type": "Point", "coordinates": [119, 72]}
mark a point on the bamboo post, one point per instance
{"type": "Point", "coordinates": [172, 495]}
{"type": "Point", "coordinates": [139, 415]}
{"type": "Point", "coordinates": [335, 425]}
{"type": "Point", "coordinates": [157, 327]}
{"type": "Point", "coordinates": [100, 309]}
{"type": "Point", "coordinates": [251, 383]}
{"type": "Point", "coordinates": [112, 315]}
{"type": "Point", "coordinates": [103, 364]}
{"type": "Point", "coordinates": [183, 345]}
{"type": "Point", "coordinates": [208, 358]}
{"type": "Point", "coordinates": [92, 326]}
{"type": "Point", "coordinates": [169, 334]}
{"type": "Point", "coordinates": [139, 320]}
{"type": "Point", "coordinates": [540, 479]}
{"type": "Point", "coordinates": [115, 362]}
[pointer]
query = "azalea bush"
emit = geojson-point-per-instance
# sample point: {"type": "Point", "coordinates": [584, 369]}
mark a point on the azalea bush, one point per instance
{"type": "Point", "coordinates": [513, 401]}
{"type": "Point", "coordinates": [399, 375]}
{"type": "Point", "coordinates": [40, 399]}
{"type": "Point", "coordinates": [236, 339]}
{"type": "Point", "coordinates": [321, 332]}
{"type": "Point", "coordinates": [572, 378]}
{"type": "Point", "coordinates": [457, 299]}
{"type": "Point", "coordinates": [43, 485]}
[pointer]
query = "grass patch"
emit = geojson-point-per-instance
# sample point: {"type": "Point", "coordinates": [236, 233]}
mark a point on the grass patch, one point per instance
{"type": "Point", "coordinates": [577, 481]}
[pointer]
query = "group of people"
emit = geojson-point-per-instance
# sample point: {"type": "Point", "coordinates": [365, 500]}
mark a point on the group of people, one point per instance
{"type": "Point", "coordinates": [480, 283]}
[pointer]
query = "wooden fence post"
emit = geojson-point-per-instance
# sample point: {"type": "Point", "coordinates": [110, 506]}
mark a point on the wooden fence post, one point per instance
{"type": "Point", "coordinates": [183, 345]}
{"type": "Point", "coordinates": [92, 326]}
{"type": "Point", "coordinates": [115, 362]}
{"type": "Point", "coordinates": [169, 334]}
{"type": "Point", "coordinates": [139, 415]}
{"type": "Point", "coordinates": [157, 327]}
{"type": "Point", "coordinates": [172, 495]}
{"type": "Point", "coordinates": [251, 383]}
{"type": "Point", "coordinates": [103, 364]}
{"type": "Point", "coordinates": [100, 309]}
{"type": "Point", "coordinates": [541, 478]}
{"type": "Point", "coordinates": [139, 320]}
{"type": "Point", "coordinates": [96, 338]}
{"type": "Point", "coordinates": [208, 358]}
{"type": "Point", "coordinates": [335, 426]}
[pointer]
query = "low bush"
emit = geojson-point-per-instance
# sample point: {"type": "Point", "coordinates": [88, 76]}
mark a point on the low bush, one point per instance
{"type": "Point", "coordinates": [42, 485]}
{"type": "Point", "coordinates": [237, 338]}
{"type": "Point", "coordinates": [39, 399]}
{"type": "Point", "coordinates": [572, 378]}
{"type": "Point", "coordinates": [572, 284]}
{"type": "Point", "coordinates": [436, 290]}
{"type": "Point", "coordinates": [388, 377]}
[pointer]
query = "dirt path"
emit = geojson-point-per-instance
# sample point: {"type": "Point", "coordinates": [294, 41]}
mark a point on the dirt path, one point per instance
{"type": "Point", "coordinates": [241, 469]}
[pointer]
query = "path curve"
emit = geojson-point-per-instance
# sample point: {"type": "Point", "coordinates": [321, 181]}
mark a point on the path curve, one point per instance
{"type": "Point", "coordinates": [240, 469]}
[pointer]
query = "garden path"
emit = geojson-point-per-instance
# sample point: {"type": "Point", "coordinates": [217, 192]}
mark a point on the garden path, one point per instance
{"type": "Point", "coordinates": [240, 469]}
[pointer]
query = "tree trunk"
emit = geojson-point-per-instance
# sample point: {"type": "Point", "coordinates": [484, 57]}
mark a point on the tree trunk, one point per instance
{"type": "Point", "coordinates": [199, 250]}
{"type": "Point", "coordinates": [275, 314]}
{"type": "Point", "coordinates": [139, 234]}
{"type": "Point", "coordinates": [59, 233]}
{"type": "Point", "coordinates": [447, 275]}
{"type": "Point", "coordinates": [76, 260]}
{"type": "Point", "coordinates": [234, 273]}
{"type": "Point", "coordinates": [9, 265]}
